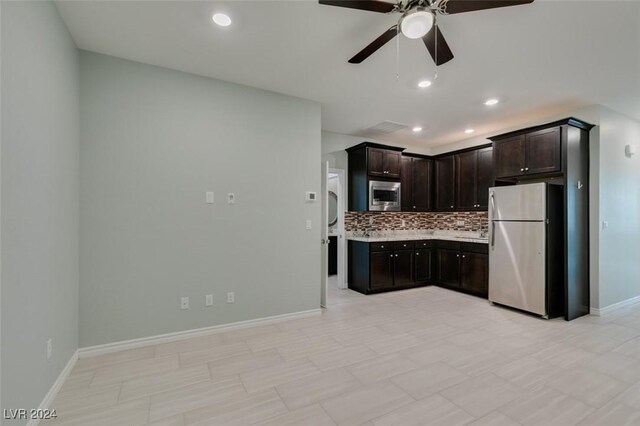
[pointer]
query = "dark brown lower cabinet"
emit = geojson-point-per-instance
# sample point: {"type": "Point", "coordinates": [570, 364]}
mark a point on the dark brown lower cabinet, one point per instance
{"type": "Point", "coordinates": [381, 274]}
{"type": "Point", "coordinates": [376, 267]}
{"type": "Point", "coordinates": [474, 272]}
{"type": "Point", "coordinates": [423, 265]}
{"type": "Point", "coordinates": [463, 266]}
{"type": "Point", "coordinates": [448, 267]}
{"type": "Point", "coordinates": [403, 268]}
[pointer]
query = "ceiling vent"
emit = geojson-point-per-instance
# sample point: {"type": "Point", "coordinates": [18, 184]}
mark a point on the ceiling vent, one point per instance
{"type": "Point", "coordinates": [385, 128]}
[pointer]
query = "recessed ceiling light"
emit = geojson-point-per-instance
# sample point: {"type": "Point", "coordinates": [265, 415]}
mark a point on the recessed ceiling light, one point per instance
{"type": "Point", "coordinates": [221, 19]}
{"type": "Point", "coordinates": [469, 131]}
{"type": "Point", "coordinates": [424, 83]}
{"type": "Point", "coordinates": [490, 102]}
{"type": "Point", "coordinates": [417, 129]}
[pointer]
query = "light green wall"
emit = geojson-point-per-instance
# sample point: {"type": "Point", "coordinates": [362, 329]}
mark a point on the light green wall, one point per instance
{"type": "Point", "coordinates": [619, 201]}
{"type": "Point", "coordinates": [153, 142]}
{"type": "Point", "coordinates": [39, 212]}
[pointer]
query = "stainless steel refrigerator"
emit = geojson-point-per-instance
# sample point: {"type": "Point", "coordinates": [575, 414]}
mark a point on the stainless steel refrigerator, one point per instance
{"type": "Point", "coordinates": [526, 248]}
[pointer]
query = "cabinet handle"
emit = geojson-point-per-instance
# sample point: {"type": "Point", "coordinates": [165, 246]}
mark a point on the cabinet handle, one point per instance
{"type": "Point", "coordinates": [451, 206]}
{"type": "Point", "coordinates": [414, 207]}
{"type": "Point", "coordinates": [381, 246]}
{"type": "Point", "coordinates": [522, 170]}
{"type": "Point", "coordinates": [457, 255]}
{"type": "Point", "coordinates": [463, 256]}
{"type": "Point", "coordinates": [526, 169]}
{"type": "Point", "coordinates": [390, 255]}
{"type": "Point", "coordinates": [417, 254]}
{"type": "Point", "coordinates": [396, 255]}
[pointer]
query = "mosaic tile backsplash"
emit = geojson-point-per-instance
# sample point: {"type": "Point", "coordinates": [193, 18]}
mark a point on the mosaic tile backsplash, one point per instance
{"type": "Point", "coordinates": [396, 221]}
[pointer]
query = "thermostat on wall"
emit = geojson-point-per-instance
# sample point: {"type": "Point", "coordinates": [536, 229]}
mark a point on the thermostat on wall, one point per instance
{"type": "Point", "coordinates": [310, 196]}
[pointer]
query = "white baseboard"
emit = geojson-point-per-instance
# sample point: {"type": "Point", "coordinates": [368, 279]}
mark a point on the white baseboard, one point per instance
{"type": "Point", "coordinates": [615, 306]}
{"type": "Point", "coordinates": [55, 388]}
{"type": "Point", "coordinates": [181, 335]}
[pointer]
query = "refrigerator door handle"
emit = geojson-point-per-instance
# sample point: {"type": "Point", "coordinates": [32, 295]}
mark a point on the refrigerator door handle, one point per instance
{"type": "Point", "coordinates": [493, 234]}
{"type": "Point", "coordinates": [493, 205]}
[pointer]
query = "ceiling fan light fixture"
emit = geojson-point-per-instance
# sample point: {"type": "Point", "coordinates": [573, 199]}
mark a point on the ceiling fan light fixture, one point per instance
{"type": "Point", "coordinates": [416, 23]}
{"type": "Point", "coordinates": [221, 19]}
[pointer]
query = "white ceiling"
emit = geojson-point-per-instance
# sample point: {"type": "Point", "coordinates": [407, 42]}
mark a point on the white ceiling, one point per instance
{"type": "Point", "coordinates": [539, 59]}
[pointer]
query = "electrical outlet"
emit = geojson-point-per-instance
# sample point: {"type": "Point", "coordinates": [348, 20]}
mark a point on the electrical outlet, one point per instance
{"type": "Point", "coordinates": [231, 297]}
{"type": "Point", "coordinates": [308, 224]}
{"type": "Point", "coordinates": [184, 303]}
{"type": "Point", "coordinates": [460, 223]}
{"type": "Point", "coordinates": [605, 224]}
{"type": "Point", "coordinates": [231, 198]}
{"type": "Point", "coordinates": [208, 300]}
{"type": "Point", "coordinates": [49, 348]}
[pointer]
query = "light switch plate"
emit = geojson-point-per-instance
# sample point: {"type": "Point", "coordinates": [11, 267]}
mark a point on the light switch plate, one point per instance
{"type": "Point", "coordinates": [231, 198]}
{"type": "Point", "coordinates": [308, 224]}
{"type": "Point", "coordinates": [184, 303]}
{"type": "Point", "coordinates": [208, 300]}
{"type": "Point", "coordinates": [209, 198]}
{"type": "Point", "coordinates": [231, 297]}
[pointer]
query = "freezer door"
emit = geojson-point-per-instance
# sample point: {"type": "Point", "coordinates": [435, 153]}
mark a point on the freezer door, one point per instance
{"type": "Point", "coordinates": [518, 202]}
{"type": "Point", "coordinates": [517, 265]}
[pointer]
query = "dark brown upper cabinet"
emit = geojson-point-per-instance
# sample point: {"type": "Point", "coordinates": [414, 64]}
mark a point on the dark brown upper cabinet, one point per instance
{"type": "Point", "coordinates": [406, 181]}
{"type": "Point", "coordinates": [445, 183]}
{"type": "Point", "coordinates": [370, 161]}
{"type": "Point", "coordinates": [543, 151]}
{"type": "Point", "coordinates": [473, 178]}
{"type": "Point", "coordinates": [416, 176]}
{"type": "Point", "coordinates": [383, 162]}
{"type": "Point", "coordinates": [485, 176]}
{"type": "Point", "coordinates": [535, 153]}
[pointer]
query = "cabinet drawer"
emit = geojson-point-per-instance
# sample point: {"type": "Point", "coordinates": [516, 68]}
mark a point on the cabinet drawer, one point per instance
{"type": "Point", "coordinates": [449, 245]}
{"type": "Point", "coordinates": [383, 246]}
{"type": "Point", "coordinates": [403, 245]}
{"type": "Point", "coordinates": [475, 248]}
{"type": "Point", "coordinates": [424, 244]}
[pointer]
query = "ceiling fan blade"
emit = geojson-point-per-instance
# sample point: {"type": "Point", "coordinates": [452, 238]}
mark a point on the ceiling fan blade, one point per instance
{"type": "Point", "coordinates": [375, 45]}
{"type": "Point", "coordinates": [443, 53]}
{"type": "Point", "coordinates": [371, 5]}
{"type": "Point", "coordinates": [460, 6]}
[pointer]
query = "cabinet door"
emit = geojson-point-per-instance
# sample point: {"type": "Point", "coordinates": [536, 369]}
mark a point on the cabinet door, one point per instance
{"type": "Point", "coordinates": [375, 162]}
{"type": "Point", "coordinates": [391, 163]}
{"type": "Point", "coordinates": [423, 265]}
{"type": "Point", "coordinates": [448, 267]}
{"type": "Point", "coordinates": [445, 183]}
{"type": "Point", "coordinates": [422, 176]}
{"type": "Point", "coordinates": [509, 157]}
{"type": "Point", "coordinates": [406, 180]}
{"type": "Point", "coordinates": [474, 275]}
{"type": "Point", "coordinates": [485, 177]}
{"type": "Point", "coordinates": [381, 270]}
{"type": "Point", "coordinates": [466, 180]}
{"type": "Point", "coordinates": [403, 268]}
{"type": "Point", "coordinates": [543, 151]}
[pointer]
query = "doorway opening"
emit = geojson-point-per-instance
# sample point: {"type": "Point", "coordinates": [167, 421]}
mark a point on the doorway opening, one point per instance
{"type": "Point", "coordinates": [335, 233]}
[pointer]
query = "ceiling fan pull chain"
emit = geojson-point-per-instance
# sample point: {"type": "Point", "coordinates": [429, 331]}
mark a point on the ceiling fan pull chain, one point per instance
{"type": "Point", "coordinates": [398, 53]}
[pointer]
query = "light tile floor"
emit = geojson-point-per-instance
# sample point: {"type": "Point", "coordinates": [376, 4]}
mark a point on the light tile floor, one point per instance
{"type": "Point", "coordinates": [426, 356]}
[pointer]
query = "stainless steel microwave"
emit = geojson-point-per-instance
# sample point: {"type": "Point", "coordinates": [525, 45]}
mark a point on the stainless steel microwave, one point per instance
{"type": "Point", "coordinates": [384, 196]}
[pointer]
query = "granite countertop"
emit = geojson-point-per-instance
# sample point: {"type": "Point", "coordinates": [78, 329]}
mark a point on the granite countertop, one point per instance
{"type": "Point", "coordinates": [381, 236]}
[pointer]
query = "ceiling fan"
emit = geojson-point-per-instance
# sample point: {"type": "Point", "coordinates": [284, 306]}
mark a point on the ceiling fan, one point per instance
{"type": "Point", "coordinates": [418, 20]}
